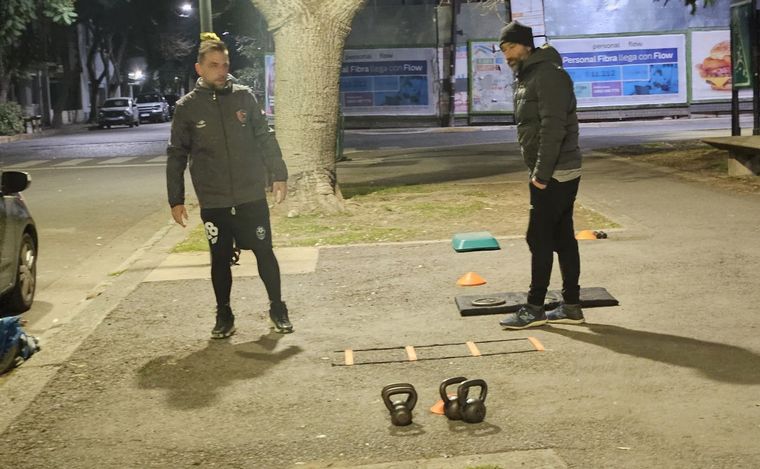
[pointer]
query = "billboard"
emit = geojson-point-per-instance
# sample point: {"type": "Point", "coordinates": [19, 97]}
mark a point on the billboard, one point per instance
{"type": "Point", "coordinates": [711, 66]}
{"type": "Point", "coordinates": [461, 79]}
{"type": "Point", "coordinates": [269, 81]}
{"type": "Point", "coordinates": [627, 70]}
{"type": "Point", "coordinates": [388, 82]}
{"type": "Point", "coordinates": [490, 79]}
{"type": "Point", "coordinates": [530, 13]}
{"type": "Point", "coordinates": [741, 27]}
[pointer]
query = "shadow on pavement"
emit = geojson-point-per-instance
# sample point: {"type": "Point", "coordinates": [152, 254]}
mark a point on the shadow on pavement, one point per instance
{"type": "Point", "coordinates": [194, 381]}
{"type": "Point", "coordinates": [720, 362]}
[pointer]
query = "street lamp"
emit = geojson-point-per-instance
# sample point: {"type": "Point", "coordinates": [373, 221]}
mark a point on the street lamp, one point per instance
{"type": "Point", "coordinates": [134, 79]}
{"type": "Point", "coordinates": [186, 10]}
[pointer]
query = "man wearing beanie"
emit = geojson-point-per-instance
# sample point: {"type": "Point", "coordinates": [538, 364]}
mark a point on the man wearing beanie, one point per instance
{"type": "Point", "coordinates": [547, 130]}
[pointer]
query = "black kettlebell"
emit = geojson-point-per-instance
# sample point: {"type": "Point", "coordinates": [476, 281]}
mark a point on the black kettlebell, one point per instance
{"type": "Point", "coordinates": [451, 404]}
{"type": "Point", "coordinates": [401, 410]}
{"type": "Point", "coordinates": [473, 409]}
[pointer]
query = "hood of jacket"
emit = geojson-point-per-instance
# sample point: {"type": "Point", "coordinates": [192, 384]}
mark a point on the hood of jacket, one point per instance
{"type": "Point", "coordinates": [202, 87]}
{"type": "Point", "coordinates": [545, 53]}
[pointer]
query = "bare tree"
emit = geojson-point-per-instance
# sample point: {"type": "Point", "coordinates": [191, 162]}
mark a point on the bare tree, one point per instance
{"type": "Point", "coordinates": [309, 36]}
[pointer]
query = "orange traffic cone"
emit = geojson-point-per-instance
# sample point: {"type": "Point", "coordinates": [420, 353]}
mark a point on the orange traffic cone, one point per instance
{"type": "Point", "coordinates": [471, 279]}
{"type": "Point", "coordinates": [585, 234]}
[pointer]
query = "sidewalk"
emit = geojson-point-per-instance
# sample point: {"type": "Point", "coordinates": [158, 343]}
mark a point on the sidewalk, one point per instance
{"type": "Point", "coordinates": [668, 379]}
{"type": "Point", "coordinates": [66, 129]}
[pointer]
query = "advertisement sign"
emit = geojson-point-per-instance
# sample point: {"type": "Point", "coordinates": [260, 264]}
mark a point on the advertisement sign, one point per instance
{"type": "Point", "coordinates": [461, 72]}
{"type": "Point", "coordinates": [615, 17]}
{"type": "Point", "coordinates": [711, 66]}
{"type": "Point", "coordinates": [626, 71]}
{"type": "Point", "coordinates": [388, 82]}
{"type": "Point", "coordinates": [269, 80]}
{"type": "Point", "coordinates": [741, 28]}
{"type": "Point", "coordinates": [490, 79]}
{"type": "Point", "coordinates": [530, 13]}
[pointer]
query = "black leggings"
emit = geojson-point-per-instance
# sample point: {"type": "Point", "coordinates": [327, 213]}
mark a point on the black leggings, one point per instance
{"type": "Point", "coordinates": [221, 273]}
{"type": "Point", "coordinates": [248, 226]}
{"type": "Point", "coordinates": [550, 229]}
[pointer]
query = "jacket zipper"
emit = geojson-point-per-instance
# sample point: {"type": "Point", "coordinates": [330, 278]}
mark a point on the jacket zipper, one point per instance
{"type": "Point", "coordinates": [227, 148]}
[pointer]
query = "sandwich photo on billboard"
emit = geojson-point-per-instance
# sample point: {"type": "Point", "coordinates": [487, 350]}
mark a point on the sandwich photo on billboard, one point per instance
{"type": "Point", "coordinates": [715, 69]}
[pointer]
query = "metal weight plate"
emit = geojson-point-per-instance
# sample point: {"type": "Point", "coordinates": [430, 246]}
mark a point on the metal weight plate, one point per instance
{"type": "Point", "coordinates": [489, 301]}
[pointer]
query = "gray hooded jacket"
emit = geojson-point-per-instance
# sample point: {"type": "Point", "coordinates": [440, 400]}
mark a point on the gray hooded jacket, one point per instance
{"type": "Point", "coordinates": [547, 124]}
{"type": "Point", "coordinates": [224, 138]}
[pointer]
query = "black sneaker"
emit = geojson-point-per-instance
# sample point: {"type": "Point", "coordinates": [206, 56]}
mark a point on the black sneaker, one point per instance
{"type": "Point", "coordinates": [527, 316]}
{"type": "Point", "coordinates": [225, 323]}
{"type": "Point", "coordinates": [278, 314]}
{"type": "Point", "coordinates": [566, 314]}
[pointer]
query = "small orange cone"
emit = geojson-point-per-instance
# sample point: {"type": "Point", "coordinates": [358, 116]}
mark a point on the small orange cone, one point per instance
{"type": "Point", "coordinates": [471, 279]}
{"type": "Point", "coordinates": [438, 406]}
{"type": "Point", "coordinates": [585, 234]}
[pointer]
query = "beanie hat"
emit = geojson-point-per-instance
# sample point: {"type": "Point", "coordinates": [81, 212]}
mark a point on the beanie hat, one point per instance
{"type": "Point", "coordinates": [517, 33]}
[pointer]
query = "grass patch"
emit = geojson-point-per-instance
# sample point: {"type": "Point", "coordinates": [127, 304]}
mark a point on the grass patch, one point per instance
{"type": "Point", "coordinates": [382, 214]}
{"type": "Point", "coordinates": [196, 241]}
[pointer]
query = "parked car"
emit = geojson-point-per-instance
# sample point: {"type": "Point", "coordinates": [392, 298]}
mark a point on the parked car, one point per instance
{"type": "Point", "coordinates": [171, 99]}
{"type": "Point", "coordinates": [18, 245]}
{"type": "Point", "coordinates": [118, 111]}
{"type": "Point", "coordinates": [153, 107]}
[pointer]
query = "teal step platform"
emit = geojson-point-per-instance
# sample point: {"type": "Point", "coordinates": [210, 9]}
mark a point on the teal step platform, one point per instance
{"type": "Point", "coordinates": [500, 303]}
{"type": "Point", "coordinates": [477, 241]}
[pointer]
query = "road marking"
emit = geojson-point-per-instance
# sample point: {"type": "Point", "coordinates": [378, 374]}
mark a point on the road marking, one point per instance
{"type": "Point", "coordinates": [538, 345]}
{"type": "Point", "coordinates": [25, 164]}
{"type": "Point", "coordinates": [158, 159]}
{"type": "Point", "coordinates": [121, 159]}
{"type": "Point", "coordinates": [411, 353]}
{"type": "Point", "coordinates": [473, 348]}
{"type": "Point", "coordinates": [72, 162]}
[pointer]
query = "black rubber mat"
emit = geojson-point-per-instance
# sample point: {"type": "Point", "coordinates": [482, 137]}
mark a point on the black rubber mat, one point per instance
{"type": "Point", "coordinates": [497, 303]}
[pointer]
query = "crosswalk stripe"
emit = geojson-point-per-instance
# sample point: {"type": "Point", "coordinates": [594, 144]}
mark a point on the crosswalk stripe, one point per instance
{"type": "Point", "coordinates": [158, 159]}
{"type": "Point", "coordinates": [25, 164]}
{"type": "Point", "coordinates": [72, 162]}
{"type": "Point", "coordinates": [118, 160]}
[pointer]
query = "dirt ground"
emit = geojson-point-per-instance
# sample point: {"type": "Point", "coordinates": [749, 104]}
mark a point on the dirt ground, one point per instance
{"type": "Point", "coordinates": [670, 378]}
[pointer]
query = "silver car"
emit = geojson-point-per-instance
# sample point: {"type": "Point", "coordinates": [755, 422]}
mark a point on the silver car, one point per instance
{"type": "Point", "coordinates": [153, 107]}
{"type": "Point", "coordinates": [18, 244]}
{"type": "Point", "coordinates": [118, 111]}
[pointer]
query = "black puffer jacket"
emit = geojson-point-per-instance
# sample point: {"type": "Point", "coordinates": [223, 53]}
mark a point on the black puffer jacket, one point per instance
{"type": "Point", "coordinates": [547, 125]}
{"type": "Point", "coordinates": [225, 139]}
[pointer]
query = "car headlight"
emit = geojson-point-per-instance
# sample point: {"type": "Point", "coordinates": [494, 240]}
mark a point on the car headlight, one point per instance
{"type": "Point", "coordinates": [127, 113]}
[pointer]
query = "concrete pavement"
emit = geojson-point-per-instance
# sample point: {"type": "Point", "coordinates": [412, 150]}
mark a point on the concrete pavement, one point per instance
{"type": "Point", "coordinates": [670, 378]}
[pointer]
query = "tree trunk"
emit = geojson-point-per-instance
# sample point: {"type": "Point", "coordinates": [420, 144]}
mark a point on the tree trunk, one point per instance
{"type": "Point", "coordinates": [309, 37]}
{"type": "Point", "coordinates": [5, 83]}
{"type": "Point", "coordinates": [68, 57]}
{"type": "Point", "coordinates": [94, 79]}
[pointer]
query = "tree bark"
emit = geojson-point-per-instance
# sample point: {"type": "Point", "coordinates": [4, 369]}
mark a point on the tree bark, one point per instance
{"type": "Point", "coordinates": [309, 38]}
{"type": "Point", "coordinates": [5, 82]}
{"type": "Point", "coordinates": [94, 79]}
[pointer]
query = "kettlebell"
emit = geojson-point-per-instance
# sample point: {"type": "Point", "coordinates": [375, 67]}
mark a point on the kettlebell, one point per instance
{"type": "Point", "coordinates": [472, 409]}
{"type": "Point", "coordinates": [401, 410]}
{"type": "Point", "coordinates": [451, 404]}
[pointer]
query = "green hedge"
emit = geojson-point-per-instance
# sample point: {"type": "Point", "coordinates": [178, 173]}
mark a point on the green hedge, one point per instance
{"type": "Point", "coordinates": [11, 119]}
